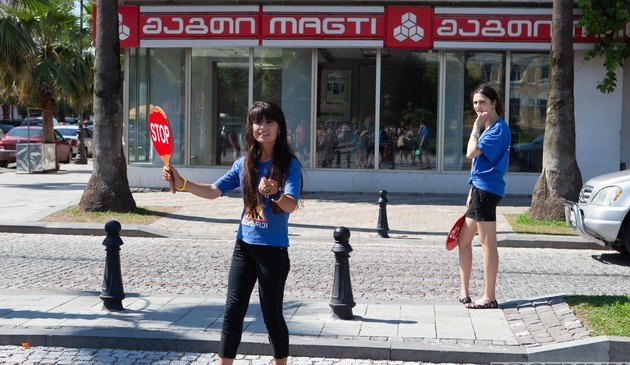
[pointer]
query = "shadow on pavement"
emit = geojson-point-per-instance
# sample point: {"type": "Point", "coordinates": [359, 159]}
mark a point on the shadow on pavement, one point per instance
{"type": "Point", "coordinates": [613, 259]}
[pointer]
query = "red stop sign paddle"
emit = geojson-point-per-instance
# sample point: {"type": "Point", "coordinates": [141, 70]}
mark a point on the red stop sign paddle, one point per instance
{"type": "Point", "coordinates": [161, 137]}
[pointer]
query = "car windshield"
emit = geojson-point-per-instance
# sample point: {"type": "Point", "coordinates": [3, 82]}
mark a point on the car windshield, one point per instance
{"type": "Point", "coordinates": [24, 132]}
{"type": "Point", "coordinates": [68, 132]}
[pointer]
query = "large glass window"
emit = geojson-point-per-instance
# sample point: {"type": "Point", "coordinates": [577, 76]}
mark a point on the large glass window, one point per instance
{"type": "Point", "coordinates": [138, 144]}
{"type": "Point", "coordinates": [409, 91]}
{"type": "Point", "coordinates": [528, 108]}
{"type": "Point", "coordinates": [345, 108]}
{"type": "Point", "coordinates": [476, 68]}
{"type": "Point", "coordinates": [283, 76]}
{"type": "Point", "coordinates": [454, 138]}
{"type": "Point", "coordinates": [219, 84]}
{"type": "Point", "coordinates": [166, 90]}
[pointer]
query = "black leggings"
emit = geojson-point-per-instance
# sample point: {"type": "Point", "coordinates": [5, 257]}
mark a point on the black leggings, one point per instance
{"type": "Point", "coordinates": [270, 266]}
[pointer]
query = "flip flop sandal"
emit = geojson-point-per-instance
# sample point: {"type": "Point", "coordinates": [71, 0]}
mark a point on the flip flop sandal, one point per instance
{"type": "Point", "coordinates": [490, 305]}
{"type": "Point", "coordinates": [465, 300]}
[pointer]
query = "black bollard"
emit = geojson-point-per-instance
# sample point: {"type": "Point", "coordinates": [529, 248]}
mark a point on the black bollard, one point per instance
{"type": "Point", "coordinates": [342, 300]}
{"type": "Point", "coordinates": [113, 292]}
{"type": "Point", "coordinates": [81, 158]}
{"type": "Point", "coordinates": [381, 226]}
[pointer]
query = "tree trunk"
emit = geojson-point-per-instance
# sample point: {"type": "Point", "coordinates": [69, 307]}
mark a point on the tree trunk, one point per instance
{"type": "Point", "coordinates": [6, 111]}
{"type": "Point", "coordinates": [108, 187]}
{"type": "Point", "coordinates": [560, 178]}
{"type": "Point", "coordinates": [47, 100]}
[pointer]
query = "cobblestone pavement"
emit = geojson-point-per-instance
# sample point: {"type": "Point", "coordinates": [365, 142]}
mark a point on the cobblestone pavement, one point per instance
{"type": "Point", "coordinates": [58, 356]}
{"type": "Point", "coordinates": [382, 271]}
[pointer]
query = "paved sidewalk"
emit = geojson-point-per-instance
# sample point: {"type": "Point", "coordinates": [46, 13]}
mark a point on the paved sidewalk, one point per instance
{"type": "Point", "coordinates": [426, 332]}
{"type": "Point", "coordinates": [531, 329]}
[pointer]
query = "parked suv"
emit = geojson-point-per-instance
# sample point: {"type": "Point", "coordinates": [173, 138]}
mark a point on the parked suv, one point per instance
{"type": "Point", "coordinates": [602, 214]}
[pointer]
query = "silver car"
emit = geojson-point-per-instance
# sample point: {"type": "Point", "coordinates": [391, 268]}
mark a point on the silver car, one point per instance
{"type": "Point", "coordinates": [602, 213]}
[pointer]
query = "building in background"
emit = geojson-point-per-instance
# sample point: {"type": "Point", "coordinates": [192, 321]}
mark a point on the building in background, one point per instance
{"type": "Point", "coordinates": [360, 86]}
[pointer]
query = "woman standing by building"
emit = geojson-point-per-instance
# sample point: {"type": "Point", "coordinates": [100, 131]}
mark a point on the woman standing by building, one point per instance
{"type": "Point", "coordinates": [270, 177]}
{"type": "Point", "coordinates": [488, 147]}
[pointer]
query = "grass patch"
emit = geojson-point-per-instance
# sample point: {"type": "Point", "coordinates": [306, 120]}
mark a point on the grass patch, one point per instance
{"type": "Point", "coordinates": [140, 215]}
{"type": "Point", "coordinates": [523, 223]}
{"type": "Point", "coordinates": [603, 315]}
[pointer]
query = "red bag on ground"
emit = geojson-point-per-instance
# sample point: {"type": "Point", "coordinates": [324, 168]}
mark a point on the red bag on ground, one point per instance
{"type": "Point", "coordinates": [451, 239]}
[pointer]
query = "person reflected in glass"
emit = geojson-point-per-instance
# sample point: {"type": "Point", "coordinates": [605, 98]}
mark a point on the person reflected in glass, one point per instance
{"type": "Point", "coordinates": [423, 135]}
{"type": "Point", "coordinates": [488, 148]}
{"type": "Point", "coordinates": [270, 178]}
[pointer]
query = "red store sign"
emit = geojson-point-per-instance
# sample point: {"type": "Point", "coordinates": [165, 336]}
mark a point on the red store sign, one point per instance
{"type": "Point", "coordinates": [198, 26]}
{"type": "Point", "coordinates": [318, 26]}
{"type": "Point", "coordinates": [408, 27]}
{"type": "Point", "coordinates": [499, 29]}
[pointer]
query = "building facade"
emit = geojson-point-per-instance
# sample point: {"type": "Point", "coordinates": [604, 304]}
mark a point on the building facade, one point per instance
{"type": "Point", "coordinates": [362, 84]}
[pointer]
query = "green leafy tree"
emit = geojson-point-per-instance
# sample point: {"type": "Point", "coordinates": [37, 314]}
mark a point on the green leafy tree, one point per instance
{"type": "Point", "coordinates": [42, 55]}
{"type": "Point", "coordinates": [560, 178]}
{"type": "Point", "coordinates": [108, 187]}
{"type": "Point", "coordinates": [607, 18]}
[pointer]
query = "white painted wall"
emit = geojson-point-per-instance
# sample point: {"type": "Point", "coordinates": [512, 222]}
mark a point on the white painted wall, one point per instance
{"type": "Point", "coordinates": [597, 119]}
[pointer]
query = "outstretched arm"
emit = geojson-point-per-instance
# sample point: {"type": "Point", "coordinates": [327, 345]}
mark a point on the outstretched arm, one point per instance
{"type": "Point", "coordinates": [208, 191]}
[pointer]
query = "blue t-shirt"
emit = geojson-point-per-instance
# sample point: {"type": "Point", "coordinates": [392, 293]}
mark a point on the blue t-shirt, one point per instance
{"type": "Point", "coordinates": [489, 168]}
{"type": "Point", "coordinates": [263, 227]}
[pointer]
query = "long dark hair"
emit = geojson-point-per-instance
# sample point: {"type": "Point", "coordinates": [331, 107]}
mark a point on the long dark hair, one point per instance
{"type": "Point", "coordinates": [283, 154]}
{"type": "Point", "coordinates": [490, 93]}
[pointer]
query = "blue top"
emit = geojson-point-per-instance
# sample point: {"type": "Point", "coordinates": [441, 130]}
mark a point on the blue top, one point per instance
{"type": "Point", "coordinates": [264, 227]}
{"type": "Point", "coordinates": [489, 168]}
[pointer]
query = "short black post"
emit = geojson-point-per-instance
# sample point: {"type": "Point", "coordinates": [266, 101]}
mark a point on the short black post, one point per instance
{"type": "Point", "coordinates": [112, 292]}
{"type": "Point", "coordinates": [81, 158]}
{"type": "Point", "coordinates": [342, 300]}
{"type": "Point", "coordinates": [381, 226]}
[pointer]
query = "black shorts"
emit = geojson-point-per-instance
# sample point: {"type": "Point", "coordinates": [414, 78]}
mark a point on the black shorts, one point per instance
{"type": "Point", "coordinates": [484, 206]}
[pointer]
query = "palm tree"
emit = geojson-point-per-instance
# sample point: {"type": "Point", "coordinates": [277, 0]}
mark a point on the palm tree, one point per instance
{"type": "Point", "coordinates": [560, 178]}
{"type": "Point", "coordinates": [42, 52]}
{"type": "Point", "coordinates": [108, 187]}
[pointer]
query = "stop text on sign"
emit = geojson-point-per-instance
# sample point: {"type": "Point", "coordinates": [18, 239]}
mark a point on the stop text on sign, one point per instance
{"type": "Point", "coordinates": [160, 133]}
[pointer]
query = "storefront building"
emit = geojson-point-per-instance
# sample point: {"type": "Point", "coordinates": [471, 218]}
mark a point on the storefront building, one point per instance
{"type": "Point", "coordinates": [360, 85]}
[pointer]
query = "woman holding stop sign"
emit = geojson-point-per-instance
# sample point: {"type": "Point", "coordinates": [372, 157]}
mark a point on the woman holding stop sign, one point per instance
{"type": "Point", "coordinates": [270, 178]}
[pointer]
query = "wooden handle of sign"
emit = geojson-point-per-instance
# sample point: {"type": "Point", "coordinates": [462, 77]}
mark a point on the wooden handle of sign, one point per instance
{"type": "Point", "coordinates": [171, 182]}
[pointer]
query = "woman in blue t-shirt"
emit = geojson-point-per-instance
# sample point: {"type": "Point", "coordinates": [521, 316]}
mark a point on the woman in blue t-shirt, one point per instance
{"type": "Point", "coordinates": [270, 177]}
{"type": "Point", "coordinates": [489, 151]}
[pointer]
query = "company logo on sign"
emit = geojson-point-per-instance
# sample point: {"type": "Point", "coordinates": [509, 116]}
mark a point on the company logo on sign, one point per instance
{"type": "Point", "coordinates": [356, 26]}
{"type": "Point", "coordinates": [409, 27]}
{"type": "Point", "coordinates": [123, 31]}
{"type": "Point", "coordinates": [128, 26]}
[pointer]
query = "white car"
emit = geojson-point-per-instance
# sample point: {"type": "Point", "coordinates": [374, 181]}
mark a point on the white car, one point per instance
{"type": "Point", "coordinates": [71, 133]}
{"type": "Point", "coordinates": [602, 214]}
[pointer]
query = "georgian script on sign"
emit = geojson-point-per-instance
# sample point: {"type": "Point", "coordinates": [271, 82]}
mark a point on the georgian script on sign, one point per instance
{"type": "Point", "coordinates": [211, 25]}
{"type": "Point", "coordinates": [480, 28]}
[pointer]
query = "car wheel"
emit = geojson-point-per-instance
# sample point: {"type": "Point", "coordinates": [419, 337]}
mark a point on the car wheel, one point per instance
{"type": "Point", "coordinates": [4, 163]}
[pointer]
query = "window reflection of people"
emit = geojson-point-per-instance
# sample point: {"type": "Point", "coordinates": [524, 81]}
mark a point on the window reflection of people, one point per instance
{"type": "Point", "coordinates": [489, 151]}
{"type": "Point", "coordinates": [423, 134]}
{"type": "Point", "coordinates": [270, 179]}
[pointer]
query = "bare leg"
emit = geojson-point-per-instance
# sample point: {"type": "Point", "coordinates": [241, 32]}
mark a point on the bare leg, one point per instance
{"type": "Point", "coordinates": [280, 361]}
{"type": "Point", "coordinates": [223, 361]}
{"type": "Point", "coordinates": [469, 229]}
{"type": "Point", "coordinates": [488, 236]}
